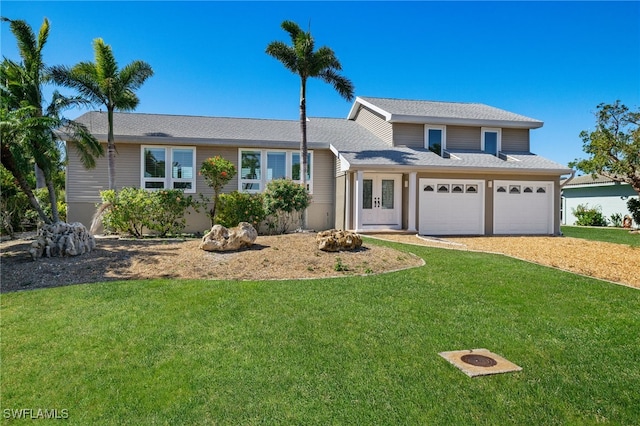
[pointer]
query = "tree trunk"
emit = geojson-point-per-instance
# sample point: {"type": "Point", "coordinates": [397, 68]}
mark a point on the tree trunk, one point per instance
{"type": "Point", "coordinates": [303, 144]}
{"type": "Point", "coordinates": [41, 182]}
{"type": "Point", "coordinates": [55, 214]}
{"type": "Point", "coordinates": [111, 150]}
{"type": "Point", "coordinates": [9, 163]}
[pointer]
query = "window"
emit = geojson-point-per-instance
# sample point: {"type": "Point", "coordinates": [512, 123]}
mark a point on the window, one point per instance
{"type": "Point", "coordinates": [257, 167]}
{"type": "Point", "coordinates": [491, 140]}
{"type": "Point", "coordinates": [168, 168]}
{"type": "Point", "coordinates": [435, 138]}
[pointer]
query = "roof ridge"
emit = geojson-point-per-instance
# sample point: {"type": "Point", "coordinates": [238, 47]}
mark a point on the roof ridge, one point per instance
{"type": "Point", "coordinates": [423, 100]}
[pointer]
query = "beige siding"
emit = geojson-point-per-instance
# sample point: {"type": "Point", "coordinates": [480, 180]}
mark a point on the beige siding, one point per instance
{"type": "Point", "coordinates": [515, 140]}
{"type": "Point", "coordinates": [408, 134]}
{"type": "Point", "coordinates": [323, 176]}
{"type": "Point", "coordinates": [375, 123]}
{"type": "Point", "coordinates": [464, 138]}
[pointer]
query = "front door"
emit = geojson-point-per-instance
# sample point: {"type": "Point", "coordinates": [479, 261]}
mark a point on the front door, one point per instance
{"type": "Point", "coordinates": [381, 201]}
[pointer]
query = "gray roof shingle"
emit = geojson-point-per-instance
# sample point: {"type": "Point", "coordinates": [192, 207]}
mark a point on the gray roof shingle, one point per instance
{"type": "Point", "coordinates": [402, 110]}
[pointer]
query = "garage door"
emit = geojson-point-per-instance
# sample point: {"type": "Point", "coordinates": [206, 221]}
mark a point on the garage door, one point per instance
{"type": "Point", "coordinates": [451, 207]}
{"type": "Point", "coordinates": [522, 207]}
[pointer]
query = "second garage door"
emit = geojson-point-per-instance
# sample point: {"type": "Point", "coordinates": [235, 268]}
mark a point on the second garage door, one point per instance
{"type": "Point", "coordinates": [522, 207]}
{"type": "Point", "coordinates": [451, 207]}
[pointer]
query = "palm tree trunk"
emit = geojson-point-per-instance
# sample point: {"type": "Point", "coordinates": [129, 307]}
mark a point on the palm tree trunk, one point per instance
{"type": "Point", "coordinates": [111, 150]}
{"type": "Point", "coordinates": [303, 144]}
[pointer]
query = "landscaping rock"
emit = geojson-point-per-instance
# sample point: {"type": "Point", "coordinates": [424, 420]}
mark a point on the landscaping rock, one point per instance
{"type": "Point", "coordinates": [338, 240]}
{"type": "Point", "coordinates": [62, 239]}
{"type": "Point", "coordinates": [223, 239]}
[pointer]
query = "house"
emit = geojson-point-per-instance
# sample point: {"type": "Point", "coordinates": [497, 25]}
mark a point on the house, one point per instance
{"type": "Point", "coordinates": [437, 168]}
{"type": "Point", "coordinates": [610, 196]}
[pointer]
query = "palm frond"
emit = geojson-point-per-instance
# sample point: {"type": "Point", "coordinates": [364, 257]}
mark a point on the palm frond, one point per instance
{"type": "Point", "coordinates": [292, 28]}
{"type": "Point", "coordinates": [82, 77]}
{"type": "Point", "coordinates": [25, 37]}
{"type": "Point", "coordinates": [343, 85]}
{"type": "Point", "coordinates": [105, 65]}
{"type": "Point", "coordinates": [133, 75]}
{"type": "Point", "coordinates": [285, 54]}
{"type": "Point", "coordinates": [87, 146]}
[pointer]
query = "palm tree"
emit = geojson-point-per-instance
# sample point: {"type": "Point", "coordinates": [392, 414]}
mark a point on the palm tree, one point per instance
{"type": "Point", "coordinates": [102, 83]}
{"type": "Point", "coordinates": [28, 133]}
{"type": "Point", "coordinates": [300, 58]}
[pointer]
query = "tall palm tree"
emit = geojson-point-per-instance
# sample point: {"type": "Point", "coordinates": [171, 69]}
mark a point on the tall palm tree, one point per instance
{"type": "Point", "coordinates": [300, 58]}
{"type": "Point", "coordinates": [28, 131]}
{"type": "Point", "coordinates": [102, 83]}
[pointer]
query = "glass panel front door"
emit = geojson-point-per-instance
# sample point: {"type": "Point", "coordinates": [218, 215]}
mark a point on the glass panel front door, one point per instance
{"type": "Point", "coordinates": [381, 201]}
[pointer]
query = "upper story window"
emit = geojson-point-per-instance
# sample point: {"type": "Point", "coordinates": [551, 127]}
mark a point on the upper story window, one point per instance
{"type": "Point", "coordinates": [435, 137]}
{"type": "Point", "coordinates": [257, 167]}
{"type": "Point", "coordinates": [168, 168]}
{"type": "Point", "coordinates": [491, 142]}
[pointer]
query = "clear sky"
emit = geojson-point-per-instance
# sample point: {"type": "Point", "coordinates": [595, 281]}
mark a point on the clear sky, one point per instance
{"type": "Point", "coordinates": [553, 61]}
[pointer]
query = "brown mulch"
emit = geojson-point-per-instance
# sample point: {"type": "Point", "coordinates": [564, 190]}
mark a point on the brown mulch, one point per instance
{"type": "Point", "coordinates": [292, 256]}
{"type": "Point", "coordinates": [607, 261]}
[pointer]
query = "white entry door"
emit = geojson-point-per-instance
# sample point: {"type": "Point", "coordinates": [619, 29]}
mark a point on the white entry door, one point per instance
{"type": "Point", "coordinates": [381, 201]}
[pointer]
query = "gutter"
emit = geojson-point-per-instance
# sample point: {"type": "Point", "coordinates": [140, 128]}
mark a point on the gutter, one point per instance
{"type": "Point", "coordinates": [573, 174]}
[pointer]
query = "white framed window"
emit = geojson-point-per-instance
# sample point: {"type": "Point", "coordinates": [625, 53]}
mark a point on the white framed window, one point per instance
{"type": "Point", "coordinates": [259, 166]}
{"type": "Point", "coordinates": [491, 141]}
{"type": "Point", "coordinates": [168, 167]}
{"type": "Point", "coordinates": [435, 138]}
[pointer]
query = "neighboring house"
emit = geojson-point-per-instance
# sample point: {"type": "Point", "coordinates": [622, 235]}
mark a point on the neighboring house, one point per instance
{"type": "Point", "coordinates": [610, 196]}
{"type": "Point", "coordinates": [437, 168]}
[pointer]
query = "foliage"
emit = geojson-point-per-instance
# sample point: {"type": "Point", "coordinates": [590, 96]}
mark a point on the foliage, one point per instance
{"type": "Point", "coordinates": [587, 216]}
{"type": "Point", "coordinates": [614, 147]}
{"type": "Point", "coordinates": [633, 204]}
{"type": "Point", "coordinates": [217, 171]}
{"type": "Point", "coordinates": [134, 209]}
{"type": "Point", "coordinates": [616, 220]}
{"type": "Point", "coordinates": [236, 207]}
{"type": "Point", "coordinates": [283, 198]}
{"type": "Point", "coordinates": [300, 58]}
{"type": "Point", "coordinates": [103, 83]}
{"type": "Point", "coordinates": [361, 350]}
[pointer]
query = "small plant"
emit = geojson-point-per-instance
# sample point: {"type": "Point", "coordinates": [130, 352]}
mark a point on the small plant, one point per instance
{"type": "Point", "coordinates": [634, 208]}
{"type": "Point", "coordinates": [283, 198]}
{"type": "Point", "coordinates": [217, 171]}
{"type": "Point", "coordinates": [589, 216]}
{"type": "Point", "coordinates": [616, 220]}
{"type": "Point", "coordinates": [339, 266]}
{"type": "Point", "coordinates": [236, 207]}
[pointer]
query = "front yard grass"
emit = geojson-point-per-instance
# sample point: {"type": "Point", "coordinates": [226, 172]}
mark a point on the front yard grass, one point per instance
{"type": "Point", "coordinates": [608, 235]}
{"type": "Point", "coordinates": [356, 350]}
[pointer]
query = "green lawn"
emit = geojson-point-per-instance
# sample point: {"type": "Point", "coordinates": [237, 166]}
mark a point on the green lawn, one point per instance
{"type": "Point", "coordinates": [356, 350]}
{"type": "Point", "coordinates": [609, 235]}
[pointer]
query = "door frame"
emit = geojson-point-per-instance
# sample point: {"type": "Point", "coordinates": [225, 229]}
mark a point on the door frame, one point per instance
{"type": "Point", "coordinates": [357, 199]}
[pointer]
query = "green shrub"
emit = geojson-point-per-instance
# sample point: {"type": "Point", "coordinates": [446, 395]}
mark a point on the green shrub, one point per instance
{"type": "Point", "coordinates": [217, 171]}
{"type": "Point", "coordinates": [589, 216]}
{"type": "Point", "coordinates": [134, 209]}
{"type": "Point", "coordinates": [616, 220]}
{"type": "Point", "coordinates": [634, 208]}
{"type": "Point", "coordinates": [236, 207]}
{"type": "Point", "coordinates": [282, 199]}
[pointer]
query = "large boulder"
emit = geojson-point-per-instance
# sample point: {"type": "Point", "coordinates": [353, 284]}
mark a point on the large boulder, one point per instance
{"type": "Point", "coordinates": [62, 239]}
{"type": "Point", "coordinates": [338, 240]}
{"type": "Point", "coordinates": [223, 239]}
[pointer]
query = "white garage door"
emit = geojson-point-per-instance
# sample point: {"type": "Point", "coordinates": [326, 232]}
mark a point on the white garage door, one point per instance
{"type": "Point", "coordinates": [522, 207]}
{"type": "Point", "coordinates": [451, 207]}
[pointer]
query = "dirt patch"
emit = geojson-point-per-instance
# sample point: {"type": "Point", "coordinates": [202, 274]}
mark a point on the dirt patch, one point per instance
{"type": "Point", "coordinates": [613, 262]}
{"type": "Point", "coordinates": [271, 257]}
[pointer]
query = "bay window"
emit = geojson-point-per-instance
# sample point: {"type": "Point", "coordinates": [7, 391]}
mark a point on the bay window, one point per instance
{"type": "Point", "coordinates": [168, 168]}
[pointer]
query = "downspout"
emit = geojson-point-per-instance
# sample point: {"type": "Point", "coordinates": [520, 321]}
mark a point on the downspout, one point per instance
{"type": "Point", "coordinates": [562, 205]}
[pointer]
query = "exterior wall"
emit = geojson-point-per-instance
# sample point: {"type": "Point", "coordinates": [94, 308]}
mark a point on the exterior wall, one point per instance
{"type": "Point", "coordinates": [607, 197]}
{"type": "Point", "coordinates": [375, 123]}
{"type": "Point", "coordinates": [463, 138]}
{"type": "Point", "coordinates": [515, 140]}
{"type": "Point", "coordinates": [407, 134]}
{"type": "Point", "coordinates": [340, 205]}
{"type": "Point", "coordinates": [84, 186]}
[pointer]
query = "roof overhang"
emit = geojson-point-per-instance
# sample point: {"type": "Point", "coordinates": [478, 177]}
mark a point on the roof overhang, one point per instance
{"type": "Point", "coordinates": [416, 119]}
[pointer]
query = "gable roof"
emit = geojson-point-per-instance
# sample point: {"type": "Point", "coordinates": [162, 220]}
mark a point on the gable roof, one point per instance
{"type": "Point", "coordinates": [247, 132]}
{"type": "Point", "coordinates": [433, 112]}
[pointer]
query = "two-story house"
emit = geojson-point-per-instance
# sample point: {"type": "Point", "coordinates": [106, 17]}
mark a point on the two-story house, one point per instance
{"type": "Point", "coordinates": [437, 168]}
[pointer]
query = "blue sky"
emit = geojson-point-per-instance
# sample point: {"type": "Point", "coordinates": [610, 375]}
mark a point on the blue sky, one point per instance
{"type": "Point", "coordinates": [553, 61]}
